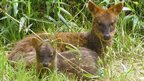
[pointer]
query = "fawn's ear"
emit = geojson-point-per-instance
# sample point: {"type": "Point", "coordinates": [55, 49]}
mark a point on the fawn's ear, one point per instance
{"type": "Point", "coordinates": [93, 8]}
{"type": "Point", "coordinates": [116, 9]}
{"type": "Point", "coordinates": [36, 42]}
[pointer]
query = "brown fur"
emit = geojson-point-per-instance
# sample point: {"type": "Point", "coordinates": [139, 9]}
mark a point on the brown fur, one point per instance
{"type": "Point", "coordinates": [78, 62]}
{"type": "Point", "coordinates": [45, 58]}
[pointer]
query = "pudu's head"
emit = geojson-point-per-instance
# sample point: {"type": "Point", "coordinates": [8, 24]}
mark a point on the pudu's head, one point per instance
{"type": "Point", "coordinates": [104, 20]}
{"type": "Point", "coordinates": [45, 55]}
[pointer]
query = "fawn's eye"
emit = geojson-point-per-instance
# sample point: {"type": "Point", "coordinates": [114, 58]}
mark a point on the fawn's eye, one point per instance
{"type": "Point", "coordinates": [40, 55]}
{"type": "Point", "coordinates": [50, 56]}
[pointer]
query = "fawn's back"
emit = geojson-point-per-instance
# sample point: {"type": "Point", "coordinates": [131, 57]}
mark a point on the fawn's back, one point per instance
{"type": "Point", "coordinates": [79, 61]}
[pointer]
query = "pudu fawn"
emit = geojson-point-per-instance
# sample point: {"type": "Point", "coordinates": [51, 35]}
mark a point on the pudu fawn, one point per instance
{"type": "Point", "coordinates": [77, 62]}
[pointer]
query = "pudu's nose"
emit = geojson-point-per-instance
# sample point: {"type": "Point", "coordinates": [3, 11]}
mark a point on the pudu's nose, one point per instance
{"type": "Point", "coordinates": [107, 36]}
{"type": "Point", "coordinates": [45, 64]}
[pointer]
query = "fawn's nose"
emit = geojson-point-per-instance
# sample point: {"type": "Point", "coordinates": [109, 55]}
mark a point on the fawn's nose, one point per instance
{"type": "Point", "coordinates": [45, 64]}
{"type": "Point", "coordinates": [107, 36]}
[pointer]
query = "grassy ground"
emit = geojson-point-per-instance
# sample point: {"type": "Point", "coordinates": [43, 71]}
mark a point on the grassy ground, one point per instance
{"type": "Point", "coordinates": [123, 62]}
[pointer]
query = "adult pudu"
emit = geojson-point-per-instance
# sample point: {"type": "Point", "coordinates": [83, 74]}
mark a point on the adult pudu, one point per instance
{"type": "Point", "coordinates": [78, 62]}
{"type": "Point", "coordinates": [100, 36]}
{"type": "Point", "coordinates": [103, 26]}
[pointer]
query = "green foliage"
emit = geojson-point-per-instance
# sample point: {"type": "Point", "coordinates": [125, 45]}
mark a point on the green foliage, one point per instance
{"type": "Point", "coordinates": [124, 61]}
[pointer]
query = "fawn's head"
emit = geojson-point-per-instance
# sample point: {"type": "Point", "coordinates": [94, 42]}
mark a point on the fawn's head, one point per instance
{"type": "Point", "coordinates": [45, 55]}
{"type": "Point", "coordinates": [104, 20]}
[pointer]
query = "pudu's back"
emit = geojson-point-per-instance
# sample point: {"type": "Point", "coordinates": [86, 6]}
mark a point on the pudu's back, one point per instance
{"type": "Point", "coordinates": [78, 62]}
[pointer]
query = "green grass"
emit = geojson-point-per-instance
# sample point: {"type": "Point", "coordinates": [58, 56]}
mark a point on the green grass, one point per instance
{"type": "Point", "coordinates": [123, 62]}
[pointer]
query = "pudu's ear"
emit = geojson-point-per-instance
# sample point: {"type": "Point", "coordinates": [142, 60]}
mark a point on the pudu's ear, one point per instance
{"type": "Point", "coordinates": [116, 9]}
{"type": "Point", "coordinates": [36, 43]}
{"type": "Point", "coordinates": [93, 8]}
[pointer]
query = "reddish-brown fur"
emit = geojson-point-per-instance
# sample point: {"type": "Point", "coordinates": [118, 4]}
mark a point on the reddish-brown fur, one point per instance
{"type": "Point", "coordinates": [103, 29]}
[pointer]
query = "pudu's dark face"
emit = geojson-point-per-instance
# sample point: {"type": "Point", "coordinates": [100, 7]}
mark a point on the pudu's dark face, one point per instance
{"type": "Point", "coordinates": [104, 20]}
{"type": "Point", "coordinates": [46, 56]}
{"type": "Point", "coordinates": [104, 25]}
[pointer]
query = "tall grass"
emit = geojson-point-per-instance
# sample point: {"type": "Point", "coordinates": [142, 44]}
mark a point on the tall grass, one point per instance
{"type": "Point", "coordinates": [124, 61]}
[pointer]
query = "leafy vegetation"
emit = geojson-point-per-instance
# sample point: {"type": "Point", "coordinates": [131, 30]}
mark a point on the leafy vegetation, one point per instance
{"type": "Point", "coordinates": [124, 61]}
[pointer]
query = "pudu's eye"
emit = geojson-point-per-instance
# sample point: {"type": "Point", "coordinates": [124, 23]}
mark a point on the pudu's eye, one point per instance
{"type": "Point", "coordinates": [51, 55]}
{"type": "Point", "coordinates": [40, 55]}
{"type": "Point", "coordinates": [100, 24]}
